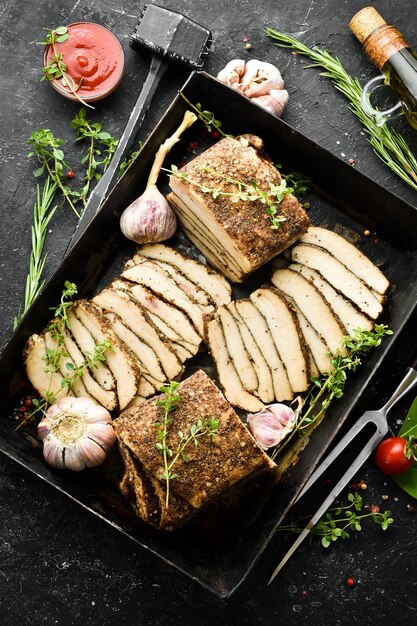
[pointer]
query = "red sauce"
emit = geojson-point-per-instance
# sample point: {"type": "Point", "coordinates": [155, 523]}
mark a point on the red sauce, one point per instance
{"type": "Point", "coordinates": [94, 60]}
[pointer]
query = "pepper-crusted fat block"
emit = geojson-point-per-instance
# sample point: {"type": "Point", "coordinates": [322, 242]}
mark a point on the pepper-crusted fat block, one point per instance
{"type": "Point", "coordinates": [213, 467]}
{"type": "Point", "coordinates": [235, 235]}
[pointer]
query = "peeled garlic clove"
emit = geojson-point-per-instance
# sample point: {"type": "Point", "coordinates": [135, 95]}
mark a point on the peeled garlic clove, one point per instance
{"type": "Point", "coordinates": [259, 78]}
{"type": "Point", "coordinates": [149, 218]}
{"type": "Point", "coordinates": [232, 74]}
{"type": "Point", "coordinates": [76, 433]}
{"type": "Point", "coordinates": [275, 102]}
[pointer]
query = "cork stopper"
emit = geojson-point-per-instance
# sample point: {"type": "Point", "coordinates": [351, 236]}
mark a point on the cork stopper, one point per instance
{"type": "Point", "coordinates": [379, 39]}
{"type": "Point", "coordinates": [365, 22]}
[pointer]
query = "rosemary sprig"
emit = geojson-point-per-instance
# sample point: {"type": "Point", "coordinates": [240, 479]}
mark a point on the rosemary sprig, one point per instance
{"type": "Point", "coordinates": [202, 427]}
{"type": "Point", "coordinates": [332, 385]}
{"type": "Point", "coordinates": [388, 144]}
{"type": "Point", "coordinates": [246, 192]}
{"type": "Point", "coordinates": [336, 523]}
{"type": "Point", "coordinates": [207, 117]}
{"type": "Point", "coordinates": [94, 133]}
{"type": "Point", "coordinates": [42, 214]}
{"type": "Point", "coordinates": [56, 68]}
{"type": "Point", "coordinates": [46, 148]}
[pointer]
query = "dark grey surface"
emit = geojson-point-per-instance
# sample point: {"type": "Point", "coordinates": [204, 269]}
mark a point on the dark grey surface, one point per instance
{"type": "Point", "coordinates": [57, 563]}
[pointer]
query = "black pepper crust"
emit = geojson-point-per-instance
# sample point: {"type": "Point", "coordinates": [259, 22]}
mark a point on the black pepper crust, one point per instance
{"type": "Point", "coordinates": [213, 467]}
{"type": "Point", "coordinates": [246, 222]}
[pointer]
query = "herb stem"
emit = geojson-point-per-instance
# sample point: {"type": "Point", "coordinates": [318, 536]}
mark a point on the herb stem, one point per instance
{"type": "Point", "coordinates": [57, 180]}
{"type": "Point", "coordinates": [331, 385]}
{"type": "Point", "coordinates": [207, 117]}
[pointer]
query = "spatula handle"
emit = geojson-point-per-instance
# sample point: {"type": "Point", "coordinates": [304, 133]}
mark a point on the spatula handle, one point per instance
{"type": "Point", "coordinates": [99, 193]}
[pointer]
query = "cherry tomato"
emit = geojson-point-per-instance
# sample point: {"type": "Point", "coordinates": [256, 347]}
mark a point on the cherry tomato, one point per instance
{"type": "Point", "coordinates": [390, 457]}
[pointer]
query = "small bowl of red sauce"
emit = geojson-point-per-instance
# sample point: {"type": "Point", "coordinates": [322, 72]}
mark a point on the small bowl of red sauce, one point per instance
{"type": "Point", "coordinates": [94, 61]}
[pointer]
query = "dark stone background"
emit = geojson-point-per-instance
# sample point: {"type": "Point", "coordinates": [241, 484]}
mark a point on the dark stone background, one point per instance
{"type": "Point", "coordinates": [60, 565]}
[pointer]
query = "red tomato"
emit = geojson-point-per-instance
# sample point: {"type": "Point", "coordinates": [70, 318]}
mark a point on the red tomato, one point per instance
{"type": "Point", "coordinates": [390, 457]}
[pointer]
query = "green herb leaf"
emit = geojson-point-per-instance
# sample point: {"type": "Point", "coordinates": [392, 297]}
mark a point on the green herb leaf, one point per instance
{"type": "Point", "coordinates": [408, 480]}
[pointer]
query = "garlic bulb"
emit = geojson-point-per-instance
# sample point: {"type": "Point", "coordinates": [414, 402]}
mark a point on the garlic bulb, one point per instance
{"type": "Point", "coordinates": [76, 433]}
{"type": "Point", "coordinates": [150, 218]}
{"type": "Point", "coordinates": [275, 102]}
{"type": "Point", "coordinates": [271, 425]}
{"type": "Point", "coordinates": [259, 78]}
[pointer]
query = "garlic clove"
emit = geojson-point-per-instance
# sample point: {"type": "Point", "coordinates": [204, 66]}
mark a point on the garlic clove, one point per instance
{"type": "Point", "coordinates": [271, 425]}
{"type": "Point", "coordinates": [275, 102]}
{"type": "Point", "coordinates": [149, 218]}
{"type": "Point", "coordinates": [102, 434]}
{"type": "Point", "coordinates": [73, 459]}
{"type": "Point", "coordinates": [232, 73]}
{"type": "Point", "coordinates": [52, 452]}
{"type": "Point", "coordinates": [98, 414]}
{"type": "Point", "coordinates": [259, 78]}
{"type": "Point", "coordinates": [89, 453]}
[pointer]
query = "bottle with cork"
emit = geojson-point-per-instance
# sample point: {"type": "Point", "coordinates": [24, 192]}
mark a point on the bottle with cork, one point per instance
{"type": "Point", "coordinates": [386, 47]}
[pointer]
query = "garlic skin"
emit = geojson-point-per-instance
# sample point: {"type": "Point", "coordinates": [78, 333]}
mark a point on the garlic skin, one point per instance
{"type": "Point", "coordinates": [275, 102]}
{"type": "Point", "coordinates": [149, 218]}
{"type": "Point", "coordinates": [76, 433]}
{"type": "Point", "coordinates": [259, 78]}
{"type": "Point", "coordinates": [271, 425]}
{"type": "Point", "coordinates": [231, 74]}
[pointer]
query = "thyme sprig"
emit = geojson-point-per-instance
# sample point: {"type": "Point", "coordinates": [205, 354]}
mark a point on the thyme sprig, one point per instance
{"type": "Point", "coordinates": [56, 68]}
{"type": "Point", "coordinates": [336, 523]}
{"type": "Point", "coordinates": [202, 427]}
{"type": "Point", "coordinates": [247, 192]}
{"type": "Point", "coordinates": [74, 373]}
{"type": "Point", "coordinates": [97, 159]}
{"type": "Point", "coordinates": [332, 385]}
{"type": "Point", "coordinates": [128, 160]}
{"type": "Point", "coordinates": [207, 117]}
{"type": "Point", "coordinates": [60, 321]}
{"type": "Point", "coordinates": [46, 148]}
{"type": "Point", "coordinates": [43, 212]}
{"type": "Point", "coordinates": [57, 327]}
{"type": "Point", "coordinates": [389, 145]}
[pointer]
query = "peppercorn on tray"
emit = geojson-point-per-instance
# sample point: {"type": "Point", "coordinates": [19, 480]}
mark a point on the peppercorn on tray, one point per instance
{"type": "Point", "coordinates": [341, 199]}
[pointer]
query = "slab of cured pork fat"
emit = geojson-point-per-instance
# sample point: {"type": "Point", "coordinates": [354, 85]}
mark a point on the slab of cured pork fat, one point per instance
{"type": "Point", "coordinates": [235, 235]}
{"type": "Point", "coordinates": [213, 467]}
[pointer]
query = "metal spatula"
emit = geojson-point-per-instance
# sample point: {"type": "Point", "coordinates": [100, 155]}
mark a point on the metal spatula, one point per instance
{"type": "Point", "coordinates": [170, 36]}
{"type": "Point", "coordinates": [379, 420]}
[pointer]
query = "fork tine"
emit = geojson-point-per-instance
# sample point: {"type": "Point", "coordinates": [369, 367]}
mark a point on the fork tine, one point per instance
{"type": "Point", "coordinates": [380, 421]}
{"type": "Point", "coordinates": [347, 476]}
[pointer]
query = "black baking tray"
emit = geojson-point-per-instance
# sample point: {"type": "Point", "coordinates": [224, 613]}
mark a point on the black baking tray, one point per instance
{"type": "Point", "coordinates": [342, 199]}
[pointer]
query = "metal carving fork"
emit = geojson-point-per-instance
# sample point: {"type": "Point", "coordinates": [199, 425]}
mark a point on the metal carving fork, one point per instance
{"type": "Point", "coordinates": [379, 419]}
